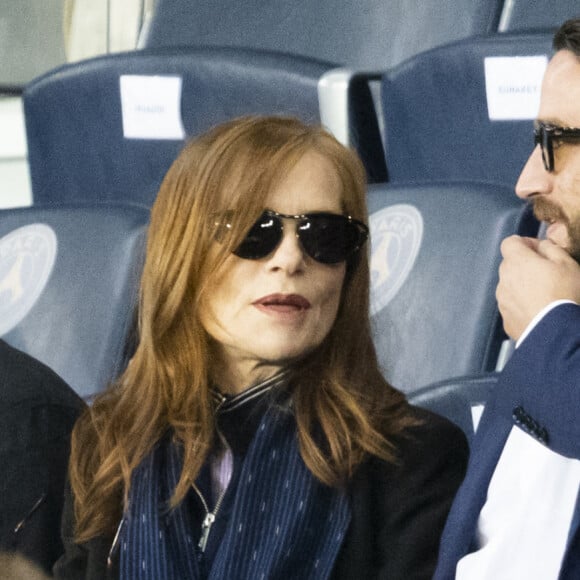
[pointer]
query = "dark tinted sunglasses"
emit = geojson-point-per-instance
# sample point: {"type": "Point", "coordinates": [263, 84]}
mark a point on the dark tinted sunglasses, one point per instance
{"type": "Point", "coordinates": [545, 135]}
{"type": "Point", "coordinates": [326, 237]}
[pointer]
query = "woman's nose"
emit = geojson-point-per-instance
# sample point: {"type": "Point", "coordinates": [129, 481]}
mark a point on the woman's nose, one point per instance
{"type": "Point", "coordinates": [289, 255]}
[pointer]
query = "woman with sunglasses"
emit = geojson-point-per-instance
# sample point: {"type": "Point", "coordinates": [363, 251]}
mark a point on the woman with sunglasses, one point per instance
{"type": "Point", "coordinates": [252, 435]}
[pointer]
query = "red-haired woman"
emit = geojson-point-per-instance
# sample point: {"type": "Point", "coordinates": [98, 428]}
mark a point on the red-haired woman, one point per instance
{"type": "Point", "coordinates": [252, 434]}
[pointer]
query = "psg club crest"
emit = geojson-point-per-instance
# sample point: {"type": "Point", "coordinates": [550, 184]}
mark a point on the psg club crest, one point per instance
{"type": "Point", "coordinates": [396, 236]}
{"type": "Point", "coordinates": [27, 257]}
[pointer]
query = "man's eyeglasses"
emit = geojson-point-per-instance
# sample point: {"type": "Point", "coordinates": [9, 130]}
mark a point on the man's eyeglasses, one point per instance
{"type": "Point", "coordinates": [328, 238]}
{"type": "Point", "coordinates": [545, 135]}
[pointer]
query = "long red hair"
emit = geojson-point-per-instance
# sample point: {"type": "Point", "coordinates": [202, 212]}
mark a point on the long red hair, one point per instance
{"type": "Point", "coordinates": [338, 389]}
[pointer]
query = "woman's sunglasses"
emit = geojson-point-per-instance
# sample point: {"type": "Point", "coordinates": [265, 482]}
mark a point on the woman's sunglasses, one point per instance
{"type": "Point", "coordinates": [327, 238]}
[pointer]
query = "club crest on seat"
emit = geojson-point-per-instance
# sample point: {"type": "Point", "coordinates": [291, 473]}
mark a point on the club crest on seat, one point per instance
{"type": "Point", "coordinates": [396, 236]}
{"type": "Point", "coordinates": [27, 257]}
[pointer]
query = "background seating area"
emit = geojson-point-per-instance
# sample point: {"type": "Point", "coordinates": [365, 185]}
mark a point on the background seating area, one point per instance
{"type": "Point", "coordinates": [168, 95]}
{"type": "Point", "coordinates": [434, 260]}
{"type": "Point", "coordinates": [437, 97]}
{"type": "Point", "coordinates": [449, 115]}
{"type": "Point", "coordinates": [68, 286]}
{"type": "Point", "coordinates": [375, 34]}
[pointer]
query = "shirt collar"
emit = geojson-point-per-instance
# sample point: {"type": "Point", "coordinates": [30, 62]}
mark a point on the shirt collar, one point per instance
{"type": "Point", "coordinates": [226, 403]}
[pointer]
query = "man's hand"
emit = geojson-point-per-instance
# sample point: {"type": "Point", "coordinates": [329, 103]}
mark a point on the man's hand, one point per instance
{"type": "Point", "coordinates": [533, 274]}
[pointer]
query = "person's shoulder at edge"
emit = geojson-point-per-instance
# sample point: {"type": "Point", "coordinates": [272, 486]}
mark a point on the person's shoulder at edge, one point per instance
{"type": "Point", "coordinates": [25, 377]}
{"type": "Point", "coordinates": [412, 495]}
{"type": "Point", "coordinates": [430, 463]}
{"type": "Point", "coordinates": [432, 433]}
{"type": "Point", "coordinates": [431, 442]}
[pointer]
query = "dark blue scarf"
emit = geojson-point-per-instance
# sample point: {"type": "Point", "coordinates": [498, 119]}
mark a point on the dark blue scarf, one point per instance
{"type": "Point", "coordinates": [284, 523]}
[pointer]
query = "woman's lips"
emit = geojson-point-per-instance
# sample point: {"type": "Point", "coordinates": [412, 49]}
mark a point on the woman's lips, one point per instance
{"type": "Point", "coordinates": [282, 303]}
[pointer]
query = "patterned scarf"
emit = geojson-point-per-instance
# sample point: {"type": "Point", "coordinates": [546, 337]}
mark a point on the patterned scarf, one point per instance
{"type": "Point", "coordinates": [284, 523]}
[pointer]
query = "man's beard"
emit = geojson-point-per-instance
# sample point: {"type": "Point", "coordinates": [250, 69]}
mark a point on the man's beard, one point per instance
{"type": "Point", "coordinates": [546, 211]}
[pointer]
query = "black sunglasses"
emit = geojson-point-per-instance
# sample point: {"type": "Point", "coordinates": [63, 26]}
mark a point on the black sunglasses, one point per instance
{"type": "Point", "coordinates": [545, 135]}
{"type": "Point", "coordinates": [328, 238]}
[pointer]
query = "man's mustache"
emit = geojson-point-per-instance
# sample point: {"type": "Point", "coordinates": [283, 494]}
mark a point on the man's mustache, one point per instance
{"type": "Point", "coordinates": [546, 211]}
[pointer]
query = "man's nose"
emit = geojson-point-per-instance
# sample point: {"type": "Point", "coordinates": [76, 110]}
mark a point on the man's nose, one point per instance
{"type": "Point", "coordinates": [534, 179]}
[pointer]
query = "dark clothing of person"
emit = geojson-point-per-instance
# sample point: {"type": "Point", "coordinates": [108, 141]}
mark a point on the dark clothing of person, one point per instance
{"type": "Point", "coordinates": [398, 509]}
{"type": "Point", "coordinates": [37, 413]}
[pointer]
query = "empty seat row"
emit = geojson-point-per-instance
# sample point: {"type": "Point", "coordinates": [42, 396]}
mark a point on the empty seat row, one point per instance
{"type": "Point", "coordinates": [108, 128]}
{"type": "Point", "coordinates": [461, 112]}
{"type": "Point", "coordinates": [374, 36]}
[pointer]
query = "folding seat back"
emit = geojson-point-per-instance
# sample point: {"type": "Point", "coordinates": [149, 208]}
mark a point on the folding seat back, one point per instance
{"type": "Point", "coordinates": [434, 262]}
{"type": "Point", "coordinates": [464, 111]}
{"type": "Point", "coordinates": [536, 14]}
{"type": "Point", "coordinates": [459, 399]}
{"type": "Point", "coordinates": [68, 286]}
{"type": "Point", "coordinates": [108, 128]}
{"type": "Point", "coordinates": [373, 35]}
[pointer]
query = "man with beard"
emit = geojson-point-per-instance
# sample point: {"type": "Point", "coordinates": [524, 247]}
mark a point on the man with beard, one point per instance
{"type": "Point", "coordinates": [517, 514]}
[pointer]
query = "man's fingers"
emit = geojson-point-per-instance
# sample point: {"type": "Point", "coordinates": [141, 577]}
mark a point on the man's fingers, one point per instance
{"type": "Point", "coordinates": [519, 248]}
{"type": "Point", "coordinates": [531, 243]}
{"type": "Point", "coordinates": [552, 252]}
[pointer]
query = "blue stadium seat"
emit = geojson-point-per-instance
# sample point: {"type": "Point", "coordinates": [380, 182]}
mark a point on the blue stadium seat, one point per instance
{"type": "Point", "coordinates": [375, 34]}
{"type": "Point", "coordinates": [436, 115]}
{"type": "Point", "coordinates": [68, 286]}
{"type": "Point", "coordinates": [536, 14]}
{"type": "Point", "coordinates": [434, 261]}
{"type": "Point", "coordinates": [460, 399]}
{"type": "Point", "coordinates": [81, 137]}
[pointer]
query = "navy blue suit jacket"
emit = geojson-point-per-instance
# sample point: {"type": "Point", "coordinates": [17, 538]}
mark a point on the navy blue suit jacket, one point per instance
{"type": "Point", "coordinates": [539, 390]}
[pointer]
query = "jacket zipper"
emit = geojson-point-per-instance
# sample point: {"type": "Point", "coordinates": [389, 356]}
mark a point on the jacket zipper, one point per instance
{"type": "Point", "coordinates": [38, 502]}
{"type": "Point", "coordinates": [208, 520]}
{"type": "Point", "coordinates": [210, 516]}
{"type": "Point", "coordinates": [114, 545]}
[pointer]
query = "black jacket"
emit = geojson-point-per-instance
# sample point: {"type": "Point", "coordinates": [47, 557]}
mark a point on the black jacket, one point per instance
{"type": "Point", "coordinates": [37, 413]}
{"type": "Point", "coordinates": [398, 512]}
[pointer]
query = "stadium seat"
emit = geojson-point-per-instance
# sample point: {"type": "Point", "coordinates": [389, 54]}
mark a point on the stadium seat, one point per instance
{"type": "Point", "coordinates": [68, 286]}
{"type": "Point", "coordinates": [374, 35]}
{"type": "Point", "coordinates": [434, 261]}
{"type": "Point", "coordinates": [459, 399]}
{"type": "Point", "coordinates": [108, 128]}
{"type": "Point", "coordinates": [464, 111]}
{"type": "Point", "coordinates": [536, 14]}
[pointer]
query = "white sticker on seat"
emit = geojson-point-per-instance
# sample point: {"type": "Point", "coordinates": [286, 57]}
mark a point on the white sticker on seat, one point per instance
{"type": "Point", "coordinates": [513, 85]}
{"type": "Point", "coordinates": [151, 107]}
